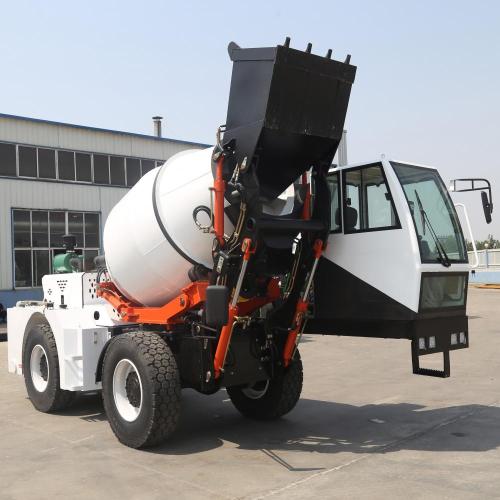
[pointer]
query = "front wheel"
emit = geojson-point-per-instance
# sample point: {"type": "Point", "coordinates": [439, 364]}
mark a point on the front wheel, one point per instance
{"type": "Point", "coordinates": [41, 371]}
{"type": "Point", "coordinates": [272, 398]}
{"type": "Point", "coordinates": [141, 389]}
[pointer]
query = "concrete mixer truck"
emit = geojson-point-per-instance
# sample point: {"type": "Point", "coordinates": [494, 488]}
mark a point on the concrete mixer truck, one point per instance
{"type": "Point", "coordinates": [216, 263]}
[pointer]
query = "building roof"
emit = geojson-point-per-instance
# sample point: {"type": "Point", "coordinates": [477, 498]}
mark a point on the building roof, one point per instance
{"type": "Point", "coordinates": [98, 129]}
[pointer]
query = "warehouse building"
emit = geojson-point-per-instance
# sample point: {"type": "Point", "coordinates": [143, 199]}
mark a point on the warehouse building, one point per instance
{"type": "Point", "coordinates": [57, 178]}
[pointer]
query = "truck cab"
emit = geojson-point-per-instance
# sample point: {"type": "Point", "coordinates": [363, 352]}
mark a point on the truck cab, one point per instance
{"type": "Point", "coordinates": [396, 263]}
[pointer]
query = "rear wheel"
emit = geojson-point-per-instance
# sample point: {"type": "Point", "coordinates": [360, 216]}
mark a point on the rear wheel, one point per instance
{"type": "Point", "coordinates": [272, 398]}
{"type": "Point", "coordinates": [41, 371]}
{"type": "Point", "coordinates": [141, 389]}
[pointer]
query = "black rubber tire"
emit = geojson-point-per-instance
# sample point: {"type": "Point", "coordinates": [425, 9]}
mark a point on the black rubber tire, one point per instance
{"type": "Point", "coordinates": [283, 393]}
{"type": "Point", "coordinates": [53, 398]}
{"type": "Point", "coordinates": [161, 389]}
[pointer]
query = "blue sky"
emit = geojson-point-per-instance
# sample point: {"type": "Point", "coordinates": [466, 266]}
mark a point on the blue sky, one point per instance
{"type": "Point", "coordinates": [427, 88]}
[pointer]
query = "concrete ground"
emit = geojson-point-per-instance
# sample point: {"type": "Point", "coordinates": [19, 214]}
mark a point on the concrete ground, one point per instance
{"type": "Point", "coordinates": [364, 428]}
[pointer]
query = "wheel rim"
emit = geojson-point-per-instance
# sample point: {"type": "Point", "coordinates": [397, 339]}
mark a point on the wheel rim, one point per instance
{"type": "Point", "coordinates": [127, 390]}
{"type": "Point", "coordinates": [257, 390]}
{"type": "Point", "coordinates": [39, 368]}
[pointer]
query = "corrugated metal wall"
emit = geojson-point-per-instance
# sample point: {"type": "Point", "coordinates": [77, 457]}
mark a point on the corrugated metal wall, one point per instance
{"type": "Point", "coordinates": [16, 193]}
{"type": "Point", "coordinates": [63, 136]}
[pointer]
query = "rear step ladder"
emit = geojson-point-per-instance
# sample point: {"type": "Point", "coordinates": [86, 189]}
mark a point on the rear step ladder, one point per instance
{"type": "Point", "coordinates": [415, 359]}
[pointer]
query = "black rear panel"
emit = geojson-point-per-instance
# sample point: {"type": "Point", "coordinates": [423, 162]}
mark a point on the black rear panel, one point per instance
{"type": "Point", "coordinates": [346, 305]}
{"type": "Point", "coordinates": [338, 294]}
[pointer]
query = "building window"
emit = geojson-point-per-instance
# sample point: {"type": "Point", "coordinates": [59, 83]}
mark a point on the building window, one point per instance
{"type": "Point", "coordinates": [74, 166]}
{"type": "Point", "coordinates": [101, 169]}
{"type": "Point", "coordinates": [368, 204]}
{"type": "Point", "coordinates": [41, 265]}
{"type": "Point", "coordinates": [117, 170]}
{"type": "Point", "coordinates": [66, 165]}
{"type": "Point", "coordinates": [91, 231]}
{"type": "Point", "coordinates": [83, 167]}
{"type": "Point", "coordinates": [46, 163]}
{"type": "Point", "coordinates": [57, 228]}
{"type": "Point", "coordinates": [27, 161]}
{"type": "Point", "coordinates": [75, 227]}
{"type": "Point", "coordinates": [7, 159]}
{"type": "Point", "coordinates": [147, 165]}
{"type": "Point", "coordinates": [40, 229]}
{"type": "Point", "coordinates": [133, 168]}
{"type": "Point", "coordinates": [38, 237]}
{"type": "Point", "coordinates": [22, 228]}
{"type": "Point", "coordinates": [23, 271]}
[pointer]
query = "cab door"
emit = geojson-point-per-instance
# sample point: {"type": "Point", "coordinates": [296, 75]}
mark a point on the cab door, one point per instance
{"type": "Point", "coordinates": [369, 272]}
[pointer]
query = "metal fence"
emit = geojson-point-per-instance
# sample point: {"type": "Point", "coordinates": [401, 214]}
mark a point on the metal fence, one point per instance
{"type": "Point", "coordinates": [488, 259]}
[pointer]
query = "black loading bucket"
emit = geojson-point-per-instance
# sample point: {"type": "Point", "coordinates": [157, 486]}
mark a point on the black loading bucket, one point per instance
{"type": "Point", "coordinates": [286, 111]}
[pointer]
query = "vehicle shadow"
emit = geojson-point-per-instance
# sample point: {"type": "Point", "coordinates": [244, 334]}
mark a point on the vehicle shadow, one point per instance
{"type": "Point", "coordinates": [321, 427]}
{"type": "Point", "coordinates": [329, 427]}
{"type": "Point", "coordinates": [87, 407]}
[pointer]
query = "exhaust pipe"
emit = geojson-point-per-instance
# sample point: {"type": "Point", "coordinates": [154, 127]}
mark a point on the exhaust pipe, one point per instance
{"type": "Point", "coordinates": [157, 125]}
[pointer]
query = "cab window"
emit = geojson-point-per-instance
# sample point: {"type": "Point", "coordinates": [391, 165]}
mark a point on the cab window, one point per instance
{"type": "Point", "coordinates": [368, 204]}
{"type": "Point", "coordinates": [436, 222]}
{"type": "Point", "coordinates": [336, 219]}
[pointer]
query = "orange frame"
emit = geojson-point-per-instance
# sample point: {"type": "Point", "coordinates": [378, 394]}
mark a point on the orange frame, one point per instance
{"type": "Point", "coordinates": [190, 297]}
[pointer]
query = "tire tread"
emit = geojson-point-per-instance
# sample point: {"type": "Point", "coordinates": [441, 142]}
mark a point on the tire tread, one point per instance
{"type": "Point", "coordinates": [163, 376]}
{"type": "Point", "coordinates": [62, 399]}
{"type": "Point", "coordinates": [283, 394]}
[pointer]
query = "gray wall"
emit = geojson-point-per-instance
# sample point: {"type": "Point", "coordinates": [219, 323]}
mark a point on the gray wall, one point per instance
{"type": "Point", "coordinates": [16, 193]}
{"type": "Point", "coordinates": [57, 135]}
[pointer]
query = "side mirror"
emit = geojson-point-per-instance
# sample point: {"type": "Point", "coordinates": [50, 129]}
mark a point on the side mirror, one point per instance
{"type": "Point", "coordinates": [472, 185]}
{"type": "Point", "coordinates": [486, 206]}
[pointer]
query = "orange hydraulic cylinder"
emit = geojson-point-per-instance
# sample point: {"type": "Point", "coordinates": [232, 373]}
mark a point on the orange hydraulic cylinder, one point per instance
{"type": "Point", "coordinates": [224, 339]}
{"type": "Point", "coordinates": [219, 190]}
{"type": "Point", "coordinates": [300, 310]}
{"type": "Point", "coordinates": [292, 335]}
{"type": "Point", "coordinates": [227, 330]}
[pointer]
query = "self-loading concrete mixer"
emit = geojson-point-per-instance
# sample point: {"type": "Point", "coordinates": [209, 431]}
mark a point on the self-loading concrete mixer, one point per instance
{"type": "Point", "coordinates": [217, 262]}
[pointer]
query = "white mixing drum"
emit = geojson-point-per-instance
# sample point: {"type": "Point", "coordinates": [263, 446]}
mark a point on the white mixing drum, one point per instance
{"type": "Point", "coordinates": [150, 237]}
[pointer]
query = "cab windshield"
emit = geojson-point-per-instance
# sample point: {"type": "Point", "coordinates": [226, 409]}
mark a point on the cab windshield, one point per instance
{"type": "Point", "coordinates": [439, 234]}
